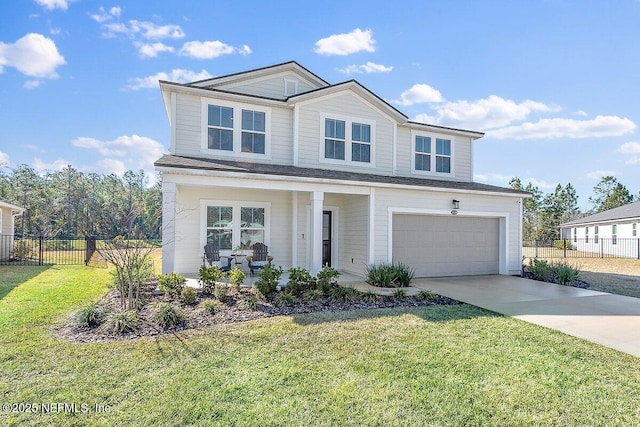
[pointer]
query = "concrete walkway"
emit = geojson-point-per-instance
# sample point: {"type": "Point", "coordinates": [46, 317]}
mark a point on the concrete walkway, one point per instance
{"type": "Point", "coordinates": [609, 320]}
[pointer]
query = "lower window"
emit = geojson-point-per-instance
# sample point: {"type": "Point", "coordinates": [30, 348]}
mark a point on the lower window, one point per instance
{"type": "Point", "coordinates": [234, 225]}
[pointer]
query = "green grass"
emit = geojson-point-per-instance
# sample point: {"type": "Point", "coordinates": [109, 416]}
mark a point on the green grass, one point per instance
{"type": "Point", "coordinates": [442, 365]}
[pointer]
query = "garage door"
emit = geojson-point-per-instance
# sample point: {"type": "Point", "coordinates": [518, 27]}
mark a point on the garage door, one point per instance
{"type": "Point", "coordinates": [446, 245]}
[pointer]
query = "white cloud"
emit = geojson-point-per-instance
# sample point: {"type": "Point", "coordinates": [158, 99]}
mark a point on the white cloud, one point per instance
{"type": "Point", "coordinates": [147, 30]}
{"type": "Point", "coordinates": [633, 161]}
{"type": "Point", "coordinates": [123, 153]}
{"type": "Point", "coordinates": [34, 55]}
{"type": "Point", "coordinates": [601, 126]}
{"type": "Point", "coordinates": [57, 165]}
{"type": "Point", "coordinates": [55, 31]}
{"type": "Point", "coordinates": [151, 50]}
{"type": "Point", "coordinates": [541, 183]}
{"type": "Point", "coordinates": [580, 113]}
{"type": "Point", "coordinates": [368, 68]}
{"type": "Point", "coordinates": [31, 84]}
{"type": "Point", "coordinates": [419, 94]}
{"type": "Point", "coordinates": [177, 75]}
{"type": "Point", "coordinates": [599, 174]}
{"type": "Point", "coordinates": [347, 43]}
{"type": "Point", "coordinates": [4, 159]}
{"type": "Point", "coordinates": [115, 11]}
{"type": "Point", "coordinates": [211, 49]}
{"type": "Point", "coordinates": [54, 4]}
{"type": "Point", "coordinates": [488, 113]}
{"type": "Point", "coordinates": [630, 148]}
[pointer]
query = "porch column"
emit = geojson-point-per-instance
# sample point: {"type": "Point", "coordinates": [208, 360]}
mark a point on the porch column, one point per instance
{"type": "Point", "coordinates": [317, 198]}
{"type": "Point", "coordinates": [168, 227]}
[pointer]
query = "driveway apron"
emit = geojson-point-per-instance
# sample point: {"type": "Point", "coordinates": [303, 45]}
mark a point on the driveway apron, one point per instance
{"type": "Point", "coordinates": [606, 319]}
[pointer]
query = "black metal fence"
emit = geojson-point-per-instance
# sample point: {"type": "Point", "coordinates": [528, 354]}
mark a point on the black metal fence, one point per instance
{"type": "Point", "coordinates": [592, 247]}
{"type": "Point", "coordinates": [16, 250]}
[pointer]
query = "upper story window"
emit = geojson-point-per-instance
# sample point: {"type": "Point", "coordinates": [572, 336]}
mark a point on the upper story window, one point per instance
{"type": "Point", "coordinates": [614, 234]}
{"type": "Point", "coordinates": [253, 131]}
{"type": "Point", "coordinates": [431, 154]}
{"type": "Point", "coordinates": [348, 140]}
{"type": "Point", "coordinates": [334, 139]}
{"type": "Point", "coordinates": [232, 129]}
{"type": "Point", "coordinates": [361, 142]}
{"type": "Point", "coordinates": [423, 153]}
{"type": "Point", "coordinates": [443, 155]}
{"type": "Point", "coordinates": [220, 134]}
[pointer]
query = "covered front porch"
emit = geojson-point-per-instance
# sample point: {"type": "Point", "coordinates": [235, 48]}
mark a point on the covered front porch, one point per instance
{"type": "Point", "coordinates": [304, 224]}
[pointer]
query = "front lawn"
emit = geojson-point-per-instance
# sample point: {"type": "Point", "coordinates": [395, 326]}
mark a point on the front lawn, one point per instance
{"type": "Point", "coordinates": [440, 365]}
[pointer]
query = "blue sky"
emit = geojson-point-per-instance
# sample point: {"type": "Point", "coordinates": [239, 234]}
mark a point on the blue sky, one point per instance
{"type": "Point", "coordinates": [554, 84]}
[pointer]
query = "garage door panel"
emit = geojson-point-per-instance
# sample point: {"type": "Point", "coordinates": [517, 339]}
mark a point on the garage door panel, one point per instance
{"type": "Point", "coordinates": [446, 245]}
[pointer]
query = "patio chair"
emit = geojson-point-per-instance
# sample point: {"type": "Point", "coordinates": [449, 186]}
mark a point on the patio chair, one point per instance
{"type": "Point", "coordinates": [212, 256]}
{"type": "Point", "coordinates": [260, 257]}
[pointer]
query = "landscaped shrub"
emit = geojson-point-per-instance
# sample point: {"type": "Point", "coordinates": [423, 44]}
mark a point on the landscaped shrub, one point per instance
{"type": "Point", "coordinates": [250, 301]}
{"type": "Point", "coordinates": [285, 298]}
{"type": "Point", "coordinates": [300, 280]}
{"type": "Point", "coordinates": [236, 278]}
{"type": "Point", "coordinates": [91, 315]}
{"type": "Point", "coordinates": [188, 295]}
{"type": "Point", "coordinates": [327, 280]}
{"type": "Point", "coordinates": [560, 244]}
{"type": "Point", "coordinates": [564, 273]}
{"type": "Point", "coordinates": [313, 295]}
{"type": "Point", "coordinates": [387, 275]}
{"type": "Point", "coordinates": [424, 295]}
{"type": "Point", "coordinates": [210, 306]}
{"type": "Point", "coordinates": [121, 322]}
{"type": "Point", "coordinates": [166, 314]}
{"type": "Point", "coordinates": [342, 294]}
{"type": "Point", "coordinates": [404, 274]}
{"type": "Point", "coordinates": [400, 293]}
{"type": "Point", "coordinates": [171, 284]}
{"type": "Point", "coordinates": [540, 269]}
{"type": "Point", "coordinates": [221, 292]}
{"type": "Point", "coordinates": [268, 279]}
{"type": "Point", "coordinates": [370, 296]}
{"type": "Point", "coordinates": [209, 275]}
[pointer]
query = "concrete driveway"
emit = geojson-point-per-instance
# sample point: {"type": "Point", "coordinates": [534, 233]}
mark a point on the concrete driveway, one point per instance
{"type": "Point", "coordinates": [606, 319]}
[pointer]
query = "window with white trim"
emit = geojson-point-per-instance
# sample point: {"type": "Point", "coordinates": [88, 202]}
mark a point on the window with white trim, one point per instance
{"type": "Point", "coordinates": [334, 139]}
{"type": "Point", "coordinates": [634, 230]}
{"type": "Point", "coordinates": [361, 142]}
{"type": "Point", "coordinates": [443, 155]}
{"type": "Point", "coordinates": [595, 235]}
{"type": "Point", "coordinates": [614, 234]}
{"type": "Point", "coordinates": [253, 131]}
{"type": "Point", "coordinates": [220, 123]}
{"type": "Point", "coordinates": [235, 130]}
{"type": "Point", "coordinates": [575, 235]}
{"type": "Point", "coordinates": [432, 154]}
{"type": "Point", "coordinates": [586, 234]}
{"type": "Point", "coordinates": [235, 225]}
{"type": "Point", "coordinates": [220, 226]}
{"type": "Point", "coordinates": [423, 153]}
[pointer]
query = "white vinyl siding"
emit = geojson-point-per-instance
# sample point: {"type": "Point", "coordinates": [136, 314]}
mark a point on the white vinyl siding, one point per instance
{"type": "Point", "coordinates": [272, 86]}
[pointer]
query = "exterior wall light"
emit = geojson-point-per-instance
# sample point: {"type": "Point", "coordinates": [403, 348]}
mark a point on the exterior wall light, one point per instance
{"type": "Point", "coordinates": [456, 204]}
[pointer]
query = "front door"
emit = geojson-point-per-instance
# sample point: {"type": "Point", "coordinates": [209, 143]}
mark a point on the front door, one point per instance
{"type": "Point", "coordinates": [326, 238]}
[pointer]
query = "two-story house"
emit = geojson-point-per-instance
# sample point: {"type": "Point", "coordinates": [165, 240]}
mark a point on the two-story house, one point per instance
{"type": "Point", "coordinates": [325, 174]}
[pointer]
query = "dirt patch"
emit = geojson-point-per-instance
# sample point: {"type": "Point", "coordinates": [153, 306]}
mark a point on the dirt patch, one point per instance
{"type": "Point", "coordinates": [234, 309]}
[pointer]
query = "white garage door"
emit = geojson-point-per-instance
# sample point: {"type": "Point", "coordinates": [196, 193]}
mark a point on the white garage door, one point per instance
{"type": "Point", "coordinates": [446, 245]}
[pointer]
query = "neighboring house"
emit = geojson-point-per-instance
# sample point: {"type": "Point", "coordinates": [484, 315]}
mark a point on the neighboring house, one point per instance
{"type": "Point", "coordinates": [325, 174]}
{"type": "Point", "coordinates": [613, 232]}
{"type": "Point", "coordinates": [8, 212]}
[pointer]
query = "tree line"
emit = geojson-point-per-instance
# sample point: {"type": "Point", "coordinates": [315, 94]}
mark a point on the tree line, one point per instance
{"type": "Point", "coordinates": [71, 204]}
{"type": "Point", "coordinates": [542, 214]}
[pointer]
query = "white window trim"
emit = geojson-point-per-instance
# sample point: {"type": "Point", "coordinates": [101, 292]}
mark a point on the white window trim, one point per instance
{"type": "Point", "coordinates": [433, 154]}
{"type": "Point", "coordinates": [236, 205]}
{"type": "Point", "coordinates": [349, 120]}
{"type": "Point", "coordinates": [237, 129]}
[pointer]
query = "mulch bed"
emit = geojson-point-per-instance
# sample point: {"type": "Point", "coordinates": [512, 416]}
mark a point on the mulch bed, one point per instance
{"type": "Point", "coordinates": [232, 310]}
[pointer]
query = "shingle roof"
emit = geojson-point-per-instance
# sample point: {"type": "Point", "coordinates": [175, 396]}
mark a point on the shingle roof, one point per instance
{"type": "Point", "coordinates": [632, 210]}
{"type": "Point", "coordinates": [182, 162]}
